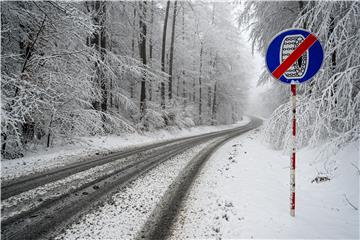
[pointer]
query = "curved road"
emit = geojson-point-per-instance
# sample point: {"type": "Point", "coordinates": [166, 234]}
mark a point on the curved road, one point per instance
{"type": "Point", "coordinates": [54, 213]}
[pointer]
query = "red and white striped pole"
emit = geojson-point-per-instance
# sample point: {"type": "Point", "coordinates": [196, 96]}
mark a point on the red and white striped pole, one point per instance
{"type": "Point", "coordinates": [293, 152]}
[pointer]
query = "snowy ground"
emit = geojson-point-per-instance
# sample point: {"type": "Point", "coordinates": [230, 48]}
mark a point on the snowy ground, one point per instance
{"type": "Point", "coordinates": [243, 192]}
{"type": "Point", "coordinates": [61, 155]}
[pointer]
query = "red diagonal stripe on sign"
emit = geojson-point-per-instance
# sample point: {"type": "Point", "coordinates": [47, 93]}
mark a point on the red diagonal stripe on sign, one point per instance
{"type": "Point", "coordinates": [295, 55]}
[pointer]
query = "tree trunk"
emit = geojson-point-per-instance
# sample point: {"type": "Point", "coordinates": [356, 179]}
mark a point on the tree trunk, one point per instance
{"type": "Point", "coordinates": [209, 98]}
{"type": "Point", "coordinates": [103, 81]}
{"type": "Point", "coordinates": [184, 90]}
{"type": "Point", "coordinates": [178, 85]}
{"type": "Point", "coordinates": [109, 47]}
{"type": "Point", "coordinates": [333, 55]}
{"type": "Point", "coordinates": [194, 90]}
{"type": "Point", "coordinates": [142, 23]}
{"type": "Point", "coordinates": [214, 105]}
{"type": "Point", "coordinates": [98, 40]}
{"type": "Point", "coordinates": [49, 132]}
{"type": "Point", "coordinates": [3, 145]}
{"type": "Point", "coordinates": [163, 46]}
{"type": "Point", "coordinates": [172, 52]}
{"type": "Point", "coordinates": [132, 83]}
{"type": "Point", "coordinates": [151, 46]}
{"type": "Point", "coordinates": [94, 40]}
{"type": "Point", "coordinates": [200, 88]}
{"type": "Point", "coordinates": [183, 39]}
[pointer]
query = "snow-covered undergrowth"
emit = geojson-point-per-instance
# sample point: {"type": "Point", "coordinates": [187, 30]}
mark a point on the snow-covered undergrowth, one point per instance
{"type": "Point", "coordinates": [62, 155]}
{"type": "Point", "coordinates": [128, 210]}
{"type": "Point", "coordinates": [243, 192]}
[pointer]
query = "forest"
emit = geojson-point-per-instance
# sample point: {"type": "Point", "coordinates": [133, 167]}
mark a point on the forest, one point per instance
{"type": "Point", "coordinates": [74, 69]}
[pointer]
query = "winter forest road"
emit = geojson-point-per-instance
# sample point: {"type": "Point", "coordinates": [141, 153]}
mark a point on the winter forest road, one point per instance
{"type": "Point", "coordinates": [35, 206]}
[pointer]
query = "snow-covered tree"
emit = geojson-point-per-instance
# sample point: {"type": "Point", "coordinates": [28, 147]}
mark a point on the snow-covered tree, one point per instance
{"type": "Point", "coordinates": [75, 69]}
{"type": "Point", "coordinates": [328, 106]}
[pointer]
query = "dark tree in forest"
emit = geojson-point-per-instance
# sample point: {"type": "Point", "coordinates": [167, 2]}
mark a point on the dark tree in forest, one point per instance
{"type": "Point", "coordinates": [200, 81]}
{"type": "Point", "coordinates": [172, 52]}
{"type": "Point", "coordinates": [98, 40]}
{"type": "Point", "coordinates": [142, 48]}
{"type": "Point", "coordinates": [163, 48]}
{"type": "Point", "coordinates": [133, 40]}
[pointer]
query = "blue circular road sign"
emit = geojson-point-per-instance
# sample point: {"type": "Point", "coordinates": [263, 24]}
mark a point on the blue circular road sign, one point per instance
{"type": "Point", "coordinates": [294, 56]}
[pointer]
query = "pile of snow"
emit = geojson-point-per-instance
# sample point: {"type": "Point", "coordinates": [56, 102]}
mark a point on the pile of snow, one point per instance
{"type": "Point", "coordinates": [243, 192]}
{"type": "Point", "coordinates": [86, 147]}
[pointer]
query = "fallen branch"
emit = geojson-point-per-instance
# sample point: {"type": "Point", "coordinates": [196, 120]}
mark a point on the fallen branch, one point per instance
{"type": "Point", "coordinates": [352, 205]}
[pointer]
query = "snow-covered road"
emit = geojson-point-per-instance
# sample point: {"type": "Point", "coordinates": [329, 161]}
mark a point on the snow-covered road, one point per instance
{"type": "Point", "coordinates": [85, 148]}
{"type": "Point", "coordinates": [127, 211]}
{"type": "Point", "coordinates": [57, 201]}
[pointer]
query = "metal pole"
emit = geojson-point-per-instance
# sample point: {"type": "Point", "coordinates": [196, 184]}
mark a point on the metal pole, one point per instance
{"type": "Point", "coordinates": [293, 152]}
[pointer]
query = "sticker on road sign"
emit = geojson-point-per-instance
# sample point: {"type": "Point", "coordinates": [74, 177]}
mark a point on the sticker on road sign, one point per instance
{"type": "Point", "coordinates": [294, 56]}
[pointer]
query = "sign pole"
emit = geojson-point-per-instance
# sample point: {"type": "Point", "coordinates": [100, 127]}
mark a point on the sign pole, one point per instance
{"type": "Point", "coordinates": [293, 57]}
{"type": "Point", "coordinates": [293, 152]}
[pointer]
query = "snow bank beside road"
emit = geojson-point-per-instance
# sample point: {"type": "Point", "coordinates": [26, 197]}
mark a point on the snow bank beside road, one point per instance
{"type": "Point", "coordinates": [243, 192]}
{"type": "Point", "coordinates": [87, 147]}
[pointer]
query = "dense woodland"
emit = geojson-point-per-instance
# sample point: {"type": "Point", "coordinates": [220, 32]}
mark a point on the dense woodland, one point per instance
{"type": "Point", "coordinates": [74, 69]}
{"type": "Point", "coordinates": [80, 69]}
{"type": "Point", "coordinates": [329, 106]}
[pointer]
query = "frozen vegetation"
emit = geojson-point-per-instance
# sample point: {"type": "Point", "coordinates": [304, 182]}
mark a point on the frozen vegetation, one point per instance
{"type": "Point", "coordinates": [80, 69]}
{"type": "Point", "coordinates": [328, 106]}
